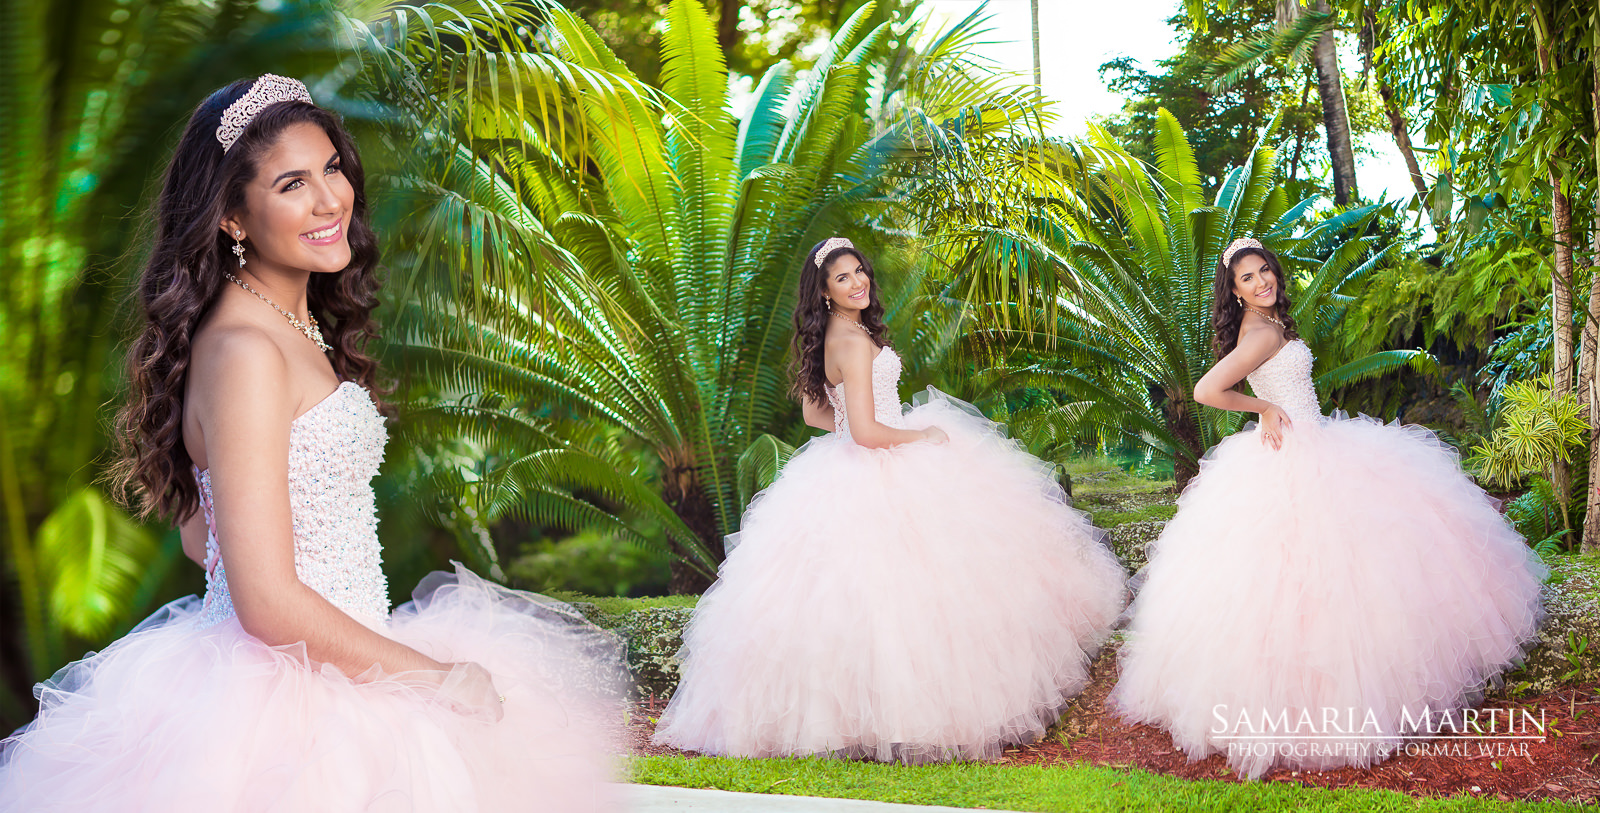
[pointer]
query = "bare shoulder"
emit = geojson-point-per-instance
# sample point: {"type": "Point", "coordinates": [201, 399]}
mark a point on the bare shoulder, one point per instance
{"type": "Point", "coordinates": [1256, 328]}
{"type": "Point", "coordinates": [1259, 339]}
{"type": "Point", "coordinates": [848, 350]}
{"type": "Point", "coordinates": [238, 365]}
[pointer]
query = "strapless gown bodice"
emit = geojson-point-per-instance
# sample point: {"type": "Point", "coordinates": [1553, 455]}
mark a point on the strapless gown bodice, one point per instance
{"type": "Point", "coordinates": [335, 449]}
{"type": "Point", "coordinates": [1285, 380]}
{"type": "Point", "coordinates": [886, 405]}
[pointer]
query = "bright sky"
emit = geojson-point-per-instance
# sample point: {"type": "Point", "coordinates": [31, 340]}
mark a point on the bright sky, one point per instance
{"type": "Point", "coordinates": [1077, 36]}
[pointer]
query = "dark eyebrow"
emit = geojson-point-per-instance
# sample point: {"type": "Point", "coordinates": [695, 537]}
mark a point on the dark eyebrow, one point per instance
{"type": "Point", "coordinates": [300, 173]}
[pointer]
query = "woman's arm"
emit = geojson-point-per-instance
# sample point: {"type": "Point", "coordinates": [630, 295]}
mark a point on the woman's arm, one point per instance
{"type": "Point", "coordinates": [817, 415]}
{"type": "Point", "coordinates": [855, 359]}
{"type": "Point", "coordinates": [244, 405]}
{"type": "Point", "coordinates": [1216, 387]}
{"type": "Point", "coordinates": [192, 532]}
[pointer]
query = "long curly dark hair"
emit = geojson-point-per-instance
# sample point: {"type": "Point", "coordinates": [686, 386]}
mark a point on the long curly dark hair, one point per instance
{"type": "Point", "coordinates": [1227, 312]}
{"type": "Point", "coordinates": [811, 314]}
{"type": "Point", "coordinates": [181, 281]}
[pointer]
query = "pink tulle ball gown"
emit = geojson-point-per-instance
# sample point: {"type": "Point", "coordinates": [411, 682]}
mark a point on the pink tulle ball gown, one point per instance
{"type": "Point", "coordinates": [918, 603]}
{"type": "Point", "coordinates": [190, 713]}
{"type": "Point", "coordinates": [1312, 607]}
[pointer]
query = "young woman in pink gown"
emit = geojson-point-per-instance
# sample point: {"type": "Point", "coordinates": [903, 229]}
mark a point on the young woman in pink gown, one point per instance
{"type": "Point", "coordinates": [1330, 585]}
{"type": "Point", "coordinates": [913, 587]}
{"type": "Point", "coordinates": [291, 686]}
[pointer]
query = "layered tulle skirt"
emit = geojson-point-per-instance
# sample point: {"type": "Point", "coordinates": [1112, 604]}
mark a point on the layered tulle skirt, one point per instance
{"type": "Point", "coordinates": [1310, 607]}
{"type": "Point", "coordinates": [175, 717]}
{"type": "Point", "coordinates": [923, 602]}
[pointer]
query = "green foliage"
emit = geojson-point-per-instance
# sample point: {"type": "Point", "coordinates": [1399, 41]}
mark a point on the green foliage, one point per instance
{"type": "Point", "coordinates": [590, 563]}
{"type": "Point", "coordinates": [1537, 429]}
{"type": "Point", "coordinates": [1538, 432]}
{"type": "Point", "coordinates": [1537, 517]}
{"type": "Point", "coordinates": [1135, 334]}
{"type": "Point", "coordinates": [760, 464]}
{"type": "Point", "coordinates": [768, 31]}
{"type": "Point", "coordinates": [1260, 89]}
{"type": "Point", "coordinates": [668, 271]}
{"type": "Point", "coordinates": [1522, 353]}
{"type": "Point", "coordinates": [1576, 656]}
{"type": "Point", "coordinates": [1500, 122]}
{"type": "Point", "coordinates": [631, 284]}
{"type": "Point", "coordinates": [1480, 418]}
{"type": "Point", "coordinates": [1464, 303]}
{"type": "Point", "coordinates": [95, 559]}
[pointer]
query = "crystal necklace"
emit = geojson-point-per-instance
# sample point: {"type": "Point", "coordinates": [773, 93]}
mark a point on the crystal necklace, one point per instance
{"type": "Point", "coordinates": [1269, 318]}
{"type": "Point", "coordinates": [311, 331]}
{"type": "Point", "coordinates": [864, 328]}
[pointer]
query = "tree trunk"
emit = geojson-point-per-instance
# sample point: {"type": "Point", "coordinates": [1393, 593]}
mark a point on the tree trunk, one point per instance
{"type": "Point", "coordinates": [1184, 420]}
{"type": "Point", "coordinates": [1561, 313]}
{"type": "Point", "coordinates": [1561, 378]}
{"type": "Point", "coordinates": [1402, 139]}
{"type": "Point", "coordinates": [1299, 136]}
{"type": "Point", "coordinates": [1398, 126]}
{"type": "Point", "coordinates": [1038, 69]}
{"type": "Point", "coordinates": [1590, 393]}
{"type": "Point", "coordinates": [1335, 115]}
{"type": "Point", "coordinates": [690, 502]}
{"type": "Point", "coordinates": [728, 27]}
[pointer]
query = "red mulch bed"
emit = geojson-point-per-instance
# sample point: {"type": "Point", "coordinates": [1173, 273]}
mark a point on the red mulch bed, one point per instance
{"type": "Point", "coordinates": [1564, 767]}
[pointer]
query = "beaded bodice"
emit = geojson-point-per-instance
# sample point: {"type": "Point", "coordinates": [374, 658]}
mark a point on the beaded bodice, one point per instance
{"type": "Point", "coordinates": [1285, 380]}
{"type": "Point", "coordinates": [885, 394]}
{"type": "Point", "coordinates": [334, 451]}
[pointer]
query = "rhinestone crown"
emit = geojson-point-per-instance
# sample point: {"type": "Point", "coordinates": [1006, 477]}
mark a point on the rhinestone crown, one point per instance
{"type": "Point", "coordinates": [830, 245]}
{"type": "Point", "coordinates": [1238, 245]}
{"type": "Point", "coordinates": [268, 90]}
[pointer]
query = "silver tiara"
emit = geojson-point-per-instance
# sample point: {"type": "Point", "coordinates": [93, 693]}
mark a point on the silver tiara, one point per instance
{"type": "Point", "coordinates": [829, 246]}
{"type": "Point", "coordinates": [1239, 245]}
{"type": "Point", "coordinates": [268, 90]}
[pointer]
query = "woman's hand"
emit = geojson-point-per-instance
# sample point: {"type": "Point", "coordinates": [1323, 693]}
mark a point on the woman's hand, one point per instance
{"type": "Point", "coordinates": [468, 690]}
{"type": "Point", "coordinates": [934, 434]}
{"type": "Point", "coordinates": [1274, 423]}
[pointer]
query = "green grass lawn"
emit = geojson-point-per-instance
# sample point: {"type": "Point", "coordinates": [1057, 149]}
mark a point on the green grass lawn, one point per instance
{"type": "Point", "coordinates": [1029, 788]}
{"type": "Point", "coordinates": [1092, 476]}
{"type": "Point", "coordinates": [619, 605]}
{"type": "Point", "coordinates": [1112, 518]}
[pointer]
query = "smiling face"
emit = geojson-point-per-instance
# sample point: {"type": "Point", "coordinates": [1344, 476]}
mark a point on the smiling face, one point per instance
{"type": "Point", "coordinates": [848, 285]}
{"type": "Point", "coordinates": [1255, 283]}
{"type": "Point", "coordinates": [297, 209]}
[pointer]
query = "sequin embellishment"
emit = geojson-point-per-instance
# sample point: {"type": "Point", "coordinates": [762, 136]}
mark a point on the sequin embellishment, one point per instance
{"type": "Point", "coordinates": [335, 448]}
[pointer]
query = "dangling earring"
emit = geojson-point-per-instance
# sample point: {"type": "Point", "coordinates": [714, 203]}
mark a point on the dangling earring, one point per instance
{"type": "Point", "coordinates": [238, 248]}
{"type": "Point", "coordinates": [828, 303]}
{"type": "Point", "coordinates": [1236, 298]}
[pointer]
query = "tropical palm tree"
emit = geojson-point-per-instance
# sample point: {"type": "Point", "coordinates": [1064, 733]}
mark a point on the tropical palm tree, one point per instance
{"type": "Point", "coordinates": [647, 289]}
{"type": "Point", "coordinates": [643, 297]}
{"type": "Point", "coordinates": [1307, 30]}
{"type": "Point", "coordinates": [1133, 335]}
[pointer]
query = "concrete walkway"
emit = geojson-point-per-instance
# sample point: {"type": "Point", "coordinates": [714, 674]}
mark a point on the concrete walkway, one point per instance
{"type": "Point", "coordinates": [662, 799]}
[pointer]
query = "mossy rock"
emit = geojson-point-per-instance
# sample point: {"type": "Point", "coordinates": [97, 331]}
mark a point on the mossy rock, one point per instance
{"type": "Point", "coordinates": [652, 637]}
{"type": "Point", "coordinates": [1129, 540]}
{"type": "Point", "coordinates": [1569, 640]}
